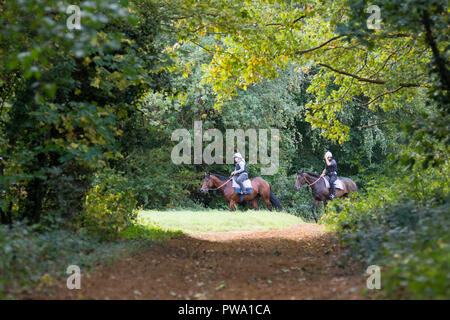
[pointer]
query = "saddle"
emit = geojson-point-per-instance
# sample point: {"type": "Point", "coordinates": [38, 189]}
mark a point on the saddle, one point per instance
{"type": "Point", "coordinates": [338, 184]}
{"type": "Point", "coordinates": [247, 185]}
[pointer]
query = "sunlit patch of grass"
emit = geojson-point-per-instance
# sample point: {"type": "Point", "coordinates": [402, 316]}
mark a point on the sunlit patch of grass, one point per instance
{"type": "Point", "coordinates": [189, 221]}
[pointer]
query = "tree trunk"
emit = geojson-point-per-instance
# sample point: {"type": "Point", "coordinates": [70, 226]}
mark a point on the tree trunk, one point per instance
{"type": "Point", "coordinates": [35, 192]}
{"type": "Point", "coordinates": [439, 61]}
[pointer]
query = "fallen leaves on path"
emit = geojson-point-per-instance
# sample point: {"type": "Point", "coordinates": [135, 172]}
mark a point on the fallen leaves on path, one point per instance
{"type": "Point", "coordinates": [300, 262]}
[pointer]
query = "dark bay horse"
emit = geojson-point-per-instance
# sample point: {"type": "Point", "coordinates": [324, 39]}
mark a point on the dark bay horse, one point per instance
{"type": "Point", "coordinates": [319, 190]}
{"type": "Point", "coordinates": [260, 187]}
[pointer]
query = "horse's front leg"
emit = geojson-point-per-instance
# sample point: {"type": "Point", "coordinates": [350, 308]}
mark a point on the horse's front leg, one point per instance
{"type": "Point", "coordinates": [313, 209]}
{"type": "Point", "coordinates": [231, 204]}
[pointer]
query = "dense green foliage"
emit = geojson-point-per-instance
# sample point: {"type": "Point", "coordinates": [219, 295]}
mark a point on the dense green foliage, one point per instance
{"type": "Point", "coordinates": [87, 116]}
{"type": "Point", "coordinates": [116, 97]}
{"type": "Point", "coordinates": [71, 92]}
{"type": "Point", "coordinates": [401, 224]}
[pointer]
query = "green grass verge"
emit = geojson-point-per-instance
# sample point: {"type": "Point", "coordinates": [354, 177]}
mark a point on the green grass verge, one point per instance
{"type": "Point", "coordinates": [148, 230]}
{"type": "Point", "coordinates": [189, 221]}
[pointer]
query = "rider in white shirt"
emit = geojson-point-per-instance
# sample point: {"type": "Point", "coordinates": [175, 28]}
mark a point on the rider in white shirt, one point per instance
{"type": "Point", "coordinates": [240, 171]}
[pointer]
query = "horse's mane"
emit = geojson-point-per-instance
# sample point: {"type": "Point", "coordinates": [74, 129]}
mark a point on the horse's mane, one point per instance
{"type": "Point", "coordinates": [222, 178]}
{"type": "Point", "coordinates": [315, 175]}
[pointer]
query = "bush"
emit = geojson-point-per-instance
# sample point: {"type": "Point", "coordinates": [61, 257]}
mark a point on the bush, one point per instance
{"type": "Point", "coordinates": [421, 275]}
{"type": "Point", "coordinates": [403, 229]}
{"type": "Point", "coordinates": [156, 181]}
{"type": "Point", "coordinates": [107, 214]}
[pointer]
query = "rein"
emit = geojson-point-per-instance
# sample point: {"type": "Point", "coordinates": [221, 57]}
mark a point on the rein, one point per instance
{"type": "Point", "coordinates": [313, 182]}
{"type": "Point", "coordinates": [220, 186]}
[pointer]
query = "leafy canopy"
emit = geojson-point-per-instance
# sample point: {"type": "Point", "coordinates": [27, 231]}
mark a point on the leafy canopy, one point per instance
{"type": "Point", "coordinates": [379, 69]}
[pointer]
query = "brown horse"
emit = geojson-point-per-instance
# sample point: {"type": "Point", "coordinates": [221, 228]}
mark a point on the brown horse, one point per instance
{"type": "Point", "coordinates": [319, 190]}
{"type": "Point", "coordinates": [260, 188]}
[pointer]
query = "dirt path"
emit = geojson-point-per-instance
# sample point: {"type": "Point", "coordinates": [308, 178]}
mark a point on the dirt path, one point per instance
{"type": "Point", "coordinates": [300, 262]}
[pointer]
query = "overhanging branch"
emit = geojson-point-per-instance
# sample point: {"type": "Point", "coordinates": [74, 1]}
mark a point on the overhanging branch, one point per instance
{"type": "Point", "coordinates": [319, 46]}
{"type": "Point", "coordinates": [362, 79]}
{"type": "Point", "coordinates": [381, 95]}
{"type": "Point", "coordinates": [378, 124]}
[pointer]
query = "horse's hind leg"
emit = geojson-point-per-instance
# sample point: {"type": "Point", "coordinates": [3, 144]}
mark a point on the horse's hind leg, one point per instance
{"type": "Point", "coordinates": [266, 199]}
{"type": "Point", "coordinates": [313, 209]}
{"type": "Point", "coordinates": [265, 195]}
{"type": "Point", "coordinates": [255, 204]}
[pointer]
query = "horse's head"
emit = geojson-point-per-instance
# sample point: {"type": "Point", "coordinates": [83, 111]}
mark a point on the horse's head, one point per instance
{"type": "Point", "coordinates": [207, 183]}
{"type": "Point", "coordinates": [300, 181]}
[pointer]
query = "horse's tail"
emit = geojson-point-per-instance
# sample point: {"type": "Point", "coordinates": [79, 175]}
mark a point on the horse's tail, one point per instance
{"type": "Point", "coordinates": [274, 201]}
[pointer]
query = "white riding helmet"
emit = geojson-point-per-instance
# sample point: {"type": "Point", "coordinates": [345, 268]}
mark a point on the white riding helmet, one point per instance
{"type": "Point", "coordinates": [238, 155]}
{"type": "Point", "coordinates": [328, 155]}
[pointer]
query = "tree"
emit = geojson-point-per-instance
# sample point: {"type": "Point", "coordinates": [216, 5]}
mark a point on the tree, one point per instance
{"type": "Point", "coordinates": [379, 69]}
{"type": "Point", "coordinates": [64, 96]}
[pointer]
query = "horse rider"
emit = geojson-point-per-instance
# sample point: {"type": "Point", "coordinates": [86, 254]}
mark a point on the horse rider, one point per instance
{"type": "Point", "coordinates": [331, 170]}
{"type": "Point", "coordinates": [240, 171]}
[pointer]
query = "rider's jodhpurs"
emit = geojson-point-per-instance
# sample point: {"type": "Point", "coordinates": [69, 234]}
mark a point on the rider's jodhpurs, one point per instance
{"type": "Point", "coordinates": [240, 180]}
{"type": "Point", "coordinates": [333, 178]}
